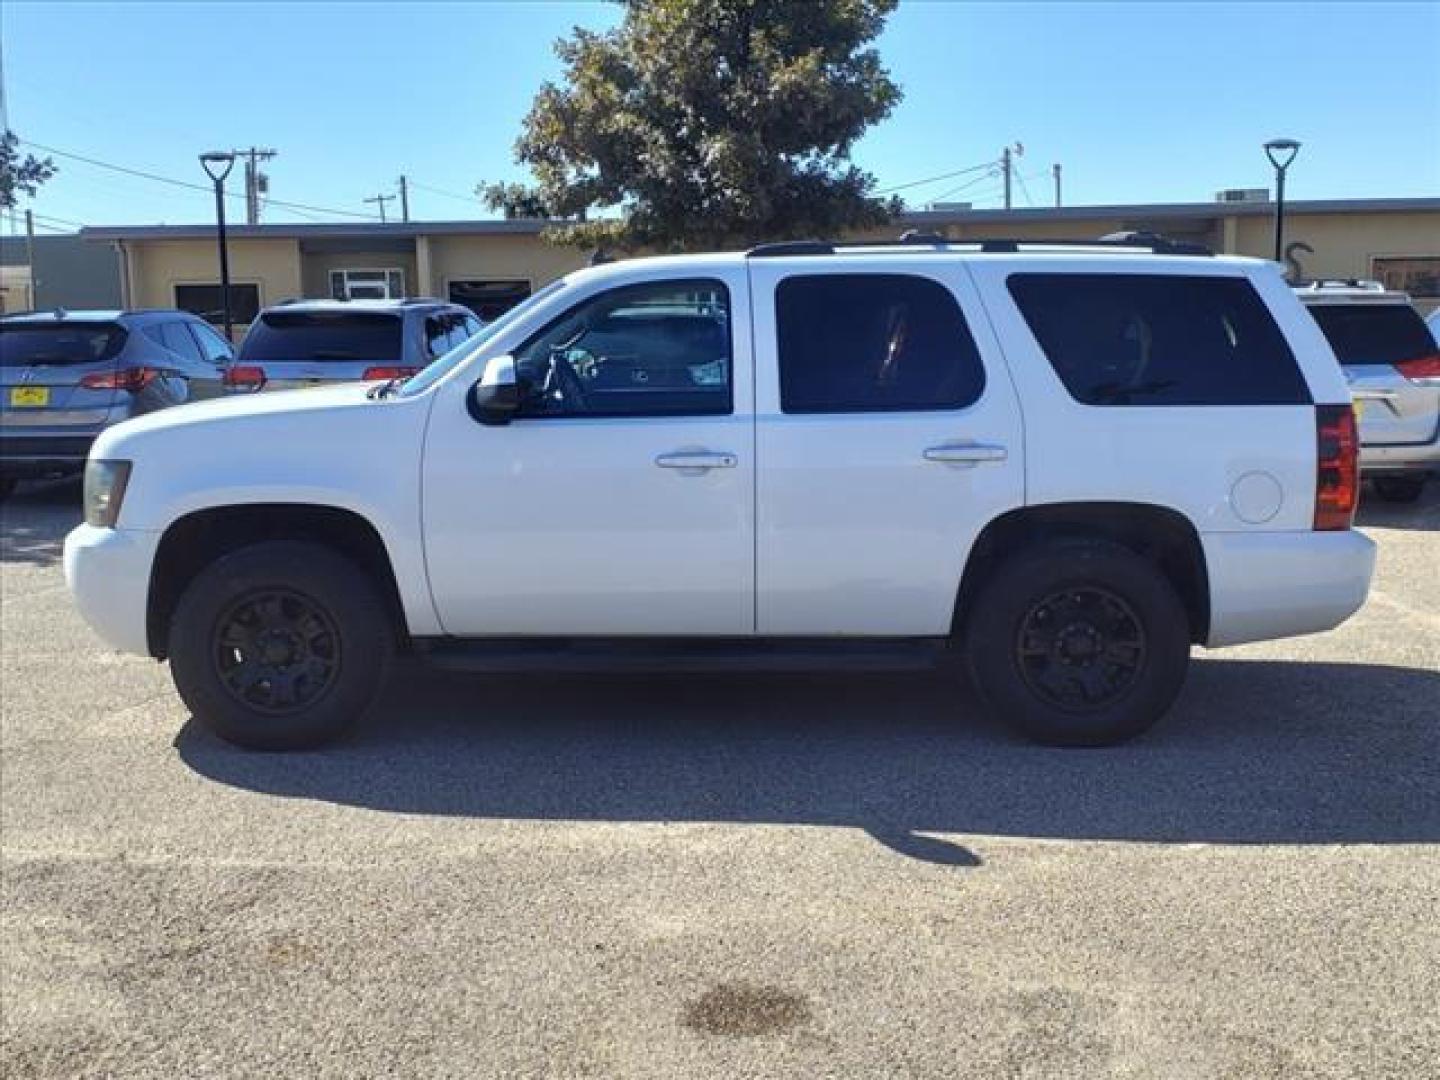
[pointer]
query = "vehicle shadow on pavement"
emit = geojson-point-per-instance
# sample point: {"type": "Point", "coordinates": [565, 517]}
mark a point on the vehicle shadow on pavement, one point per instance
{"type": "Point", "coordinates": [1255, 752]}
{"type": "Point", "coordinates": [1422, 515]}
{"type": "Point", "coordinates": [34, 521]}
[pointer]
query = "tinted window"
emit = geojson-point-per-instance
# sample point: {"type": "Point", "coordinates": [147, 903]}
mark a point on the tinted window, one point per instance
{"type": "Point", "coordinates": [178, 340]}
{"type": "Point", "coordinates": [1373, 333]}
{"type": "Point", "coordinates": [205, 301]}
{"type": "Point", "coordinates": [211, 344]}
{"type": "Point", "coordinates": [659, 349]}
{"type": "Point", "coordinates": [282, 336]}
{"type": "Point", "coordinates": [24, 344]}
{"type": "Point", "coordinates": [1153, 339]}
{"type": "Point", "coordinates": [871, 343]}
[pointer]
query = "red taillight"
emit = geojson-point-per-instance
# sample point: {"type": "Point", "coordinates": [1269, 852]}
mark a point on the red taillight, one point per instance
{"type": "Point", "coordinates": [1337, 475]}
{"type": "Point", "coordinates": [243, 377]}
{"type": "Point", "coordinates": [388, 372]}
{"type": "Point", "coordinates": [133, 379]}
{"type": "Point", "coordinates": [1422, 369]}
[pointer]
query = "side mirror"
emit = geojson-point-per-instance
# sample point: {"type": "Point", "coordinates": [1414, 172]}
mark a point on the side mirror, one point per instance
{"type": "Point", "coordinates": [495, 399]}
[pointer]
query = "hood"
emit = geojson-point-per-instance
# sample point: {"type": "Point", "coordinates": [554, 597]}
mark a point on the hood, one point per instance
{"type": "Point", "coordinates": [263, 410]}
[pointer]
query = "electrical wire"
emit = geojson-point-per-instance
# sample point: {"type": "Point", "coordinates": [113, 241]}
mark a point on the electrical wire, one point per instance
{"type": "Point", "coordinates": [441, 191]}
{"type": "Point", "coordinates": [56, 220]}
{"type": "Point", "coordinates": [933, 179]}
{"type": "Point", "coordinates": [966, 186]}
{"type": "Point", "coordinates": [185, 183]}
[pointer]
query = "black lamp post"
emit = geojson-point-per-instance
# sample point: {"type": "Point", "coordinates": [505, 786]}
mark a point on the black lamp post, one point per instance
{"type": "Point", "coordinates": [1281, 153]}
{"type": "Point", "coordinates": [217, 165]}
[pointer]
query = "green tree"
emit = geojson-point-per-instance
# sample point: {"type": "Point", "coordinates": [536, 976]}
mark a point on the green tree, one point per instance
{"type": "Point", "coordinates": [20, 174]}
{"type": "Point", "coordinates": [701, 123]}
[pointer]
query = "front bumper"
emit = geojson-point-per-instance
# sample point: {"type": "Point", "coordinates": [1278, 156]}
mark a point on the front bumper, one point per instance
{"type": "Point", "coordinates": [108, 573]}
{"type": "Point", "coordinates": [1268, 585]}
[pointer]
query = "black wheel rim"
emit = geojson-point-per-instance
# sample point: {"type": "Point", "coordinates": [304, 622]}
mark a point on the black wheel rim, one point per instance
{"type": "Point", "coordinates": [1081, 649]}
{"type": "Point", "coordinates": [276, 651]}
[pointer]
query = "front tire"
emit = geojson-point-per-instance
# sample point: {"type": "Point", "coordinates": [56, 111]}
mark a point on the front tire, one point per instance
{"type": "Point", "coordinates": [1078, 643]}
{"type": "Point", "coordinates": [1399, 489]}
{"type": "Point", "coordinates": [280, 645]}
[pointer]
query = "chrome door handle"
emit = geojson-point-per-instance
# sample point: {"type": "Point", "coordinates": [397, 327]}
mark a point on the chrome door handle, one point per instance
{"type": "Point", "coordinates": [967, 455]}
{"type": "Point", "coordinates": [696, 460]}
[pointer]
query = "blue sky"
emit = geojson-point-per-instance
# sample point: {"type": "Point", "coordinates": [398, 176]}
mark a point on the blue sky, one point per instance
{"type": "Point", "coordinates": [1140, 102]}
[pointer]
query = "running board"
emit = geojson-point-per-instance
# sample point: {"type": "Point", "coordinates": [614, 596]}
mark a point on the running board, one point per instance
{"type": "Point", "coordinates": [686, 656]}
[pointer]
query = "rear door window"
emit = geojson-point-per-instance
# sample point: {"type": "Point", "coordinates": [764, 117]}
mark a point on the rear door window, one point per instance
{"type": "Point", "coordinates": [873, 343]}
{"type": "Point", "coordinates": [175, 337]}
{"type": "Point", "coordinates": [1159, 339]}
{"type": "Point", "coordinates": [27, 345]}
{"type": "Point", "coordinates": [1373, 333]}
{"type": "Point", "coordinates": [323, 337]}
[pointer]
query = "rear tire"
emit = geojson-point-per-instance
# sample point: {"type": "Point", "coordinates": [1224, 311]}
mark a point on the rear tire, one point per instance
{"type": "Point", "coordinates": [280, 645]}
{"type": "Point", "coordinates": [1078, 643]}
{"type": "Point", "coordinates": [1399, 489]}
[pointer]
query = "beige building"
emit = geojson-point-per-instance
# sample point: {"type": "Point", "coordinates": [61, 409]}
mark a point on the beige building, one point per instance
{"type": "Point", "coordinates": [490, 265]}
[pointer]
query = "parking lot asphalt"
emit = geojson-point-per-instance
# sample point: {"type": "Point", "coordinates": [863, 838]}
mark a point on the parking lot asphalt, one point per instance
{"type": "Point", "coordinates": [747, 876]}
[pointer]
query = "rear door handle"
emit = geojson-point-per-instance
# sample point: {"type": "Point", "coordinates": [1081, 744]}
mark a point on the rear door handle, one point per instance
{"type": "Point", "coordinates": [696, 461]}
{"type": "Point", "coordinates": [967, 455]}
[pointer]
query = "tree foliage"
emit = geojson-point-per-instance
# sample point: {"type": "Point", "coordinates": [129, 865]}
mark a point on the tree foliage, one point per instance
{"type": "Point", "coordinates": [698, 123]}
{"type": "Point", "coordinates": [20, 175]}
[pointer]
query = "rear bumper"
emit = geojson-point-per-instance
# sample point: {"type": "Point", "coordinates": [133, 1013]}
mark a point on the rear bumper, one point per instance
{"type": "Point", "coordinates": [108, 574]}
{"type": "Point", "coordinates": [1283, 584]}
{"type": "Point", "coordinates": [1415, 459]}
{"type": "Point", "coordinates": [43, 455]}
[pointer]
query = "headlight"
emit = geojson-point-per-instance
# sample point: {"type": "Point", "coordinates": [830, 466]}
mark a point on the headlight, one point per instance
{"type": "Point", "coordinates": [104, 489]}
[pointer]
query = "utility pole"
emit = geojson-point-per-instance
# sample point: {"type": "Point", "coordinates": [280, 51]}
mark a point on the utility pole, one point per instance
{"type": "Point", "coordinates": [30, 259]}
{"type": "Point", "coordinates": [404, 198]}
{"type": "Point", "coordinates": [1056, 170]}
{"type": "Point", "coordinates": [380, 201]}
{"type": "Point", "coordinates": [1007, 167]}
{"type": "Point", "coordinates": [254, 180]}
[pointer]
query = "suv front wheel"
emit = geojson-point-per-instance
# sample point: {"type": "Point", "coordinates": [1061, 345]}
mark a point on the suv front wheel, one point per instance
{"type": "Point", "coordinates": [1078, 643]}
{"type": "Point", "coordinates": [280, 645]}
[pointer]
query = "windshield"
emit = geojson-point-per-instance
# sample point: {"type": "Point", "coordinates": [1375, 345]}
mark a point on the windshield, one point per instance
{"type": "Point", "coordinates": [307, 337]}
{"type": "Point", "coordinates": [26, 344]}
{"type": "Point", "coordinates": [1373, 333]}
{"type": "Point", "coordinates": [443, 365]}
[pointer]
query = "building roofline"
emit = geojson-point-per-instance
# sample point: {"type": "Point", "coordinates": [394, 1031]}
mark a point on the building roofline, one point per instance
{"type": "Point", "coordinates": [533, 226]}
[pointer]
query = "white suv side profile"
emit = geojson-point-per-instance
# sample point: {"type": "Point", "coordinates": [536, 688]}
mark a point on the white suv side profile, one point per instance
{"type": "Point", "coordinates": [1071, 461]}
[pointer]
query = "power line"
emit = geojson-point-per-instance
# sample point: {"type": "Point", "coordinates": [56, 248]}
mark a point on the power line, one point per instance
{"type": "Point", "coordinates": [57, 220]}
{"type": "Point", "coordinates": [441, 191]}
{"type": "Point", "coordinates": [933, 179]}
{"type": "Point", "coordinates": [1024, 190]}
{"type": "Point", "coordinates": [185, 183]}
{"type": "Point", "coordinates": [966, 186]}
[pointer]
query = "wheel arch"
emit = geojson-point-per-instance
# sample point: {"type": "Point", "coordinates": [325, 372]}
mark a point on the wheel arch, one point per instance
{"type": "Point", "coordinates": [196, 539]}
{"type": "Point", "coordinates": [1156, 532]}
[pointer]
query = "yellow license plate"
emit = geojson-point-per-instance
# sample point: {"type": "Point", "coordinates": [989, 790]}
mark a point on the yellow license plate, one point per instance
{"type": "Point", "coordinates": [29, 397]}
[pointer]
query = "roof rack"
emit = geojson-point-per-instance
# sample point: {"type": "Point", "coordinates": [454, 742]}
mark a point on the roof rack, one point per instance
{"type": "Point", "coordinates": [1316, 284]}
{"type": "Point", "coordinates": [1118, 242]}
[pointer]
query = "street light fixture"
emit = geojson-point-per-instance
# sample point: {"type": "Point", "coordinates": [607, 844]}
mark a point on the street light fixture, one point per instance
{"type": "Point", "coordinates": [1281, 153]}
{"type": "Point", "coordinates": [217, 165]}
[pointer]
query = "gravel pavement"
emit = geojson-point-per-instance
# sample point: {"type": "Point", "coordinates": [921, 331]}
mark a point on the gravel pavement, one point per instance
{"type": "Point", "coordinates": [730, 877]}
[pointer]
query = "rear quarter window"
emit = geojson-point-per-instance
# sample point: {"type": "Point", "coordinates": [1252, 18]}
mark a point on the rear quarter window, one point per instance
{"type": "Point", "coordinates": [1159, 340]}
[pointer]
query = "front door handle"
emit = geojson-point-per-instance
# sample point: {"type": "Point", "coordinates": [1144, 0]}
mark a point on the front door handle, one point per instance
{"type": "Point", "coordinates": [696, 461]}
{"type": "Point", "coordinates": [966, 455]}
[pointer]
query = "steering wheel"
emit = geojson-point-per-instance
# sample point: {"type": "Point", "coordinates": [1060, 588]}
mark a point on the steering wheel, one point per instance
{"type": "Point", "coordinates": [572, 391]}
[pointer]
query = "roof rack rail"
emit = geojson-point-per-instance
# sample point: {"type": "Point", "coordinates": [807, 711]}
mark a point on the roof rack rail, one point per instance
{"type": "Point", "coordinates": [1316, 284]}
{"type": "Point", "coordinates": [1117, 242]}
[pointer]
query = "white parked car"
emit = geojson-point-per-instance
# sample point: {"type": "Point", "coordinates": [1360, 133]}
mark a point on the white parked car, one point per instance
{"type": "Point", "coordinates": [1392, 363]}
{"type": "Point", "coordinates": [1072, 462]}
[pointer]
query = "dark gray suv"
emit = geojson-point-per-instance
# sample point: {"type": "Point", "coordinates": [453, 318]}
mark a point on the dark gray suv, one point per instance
{"type": "Point", "coordinates": [65, 376]}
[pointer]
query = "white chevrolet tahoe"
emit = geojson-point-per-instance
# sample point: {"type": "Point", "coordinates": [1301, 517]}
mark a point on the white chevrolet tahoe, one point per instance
{"type": "Point", "coordinates": [1071, 462]}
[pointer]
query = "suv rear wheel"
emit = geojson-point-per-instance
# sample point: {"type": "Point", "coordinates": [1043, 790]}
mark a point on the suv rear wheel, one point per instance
{"type": "Point", "coordinates": [1078, 643]}
{"type": "Point", "coordinates": [280, 645]}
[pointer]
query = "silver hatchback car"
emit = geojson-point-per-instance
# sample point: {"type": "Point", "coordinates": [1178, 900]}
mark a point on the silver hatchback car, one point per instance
{"type": "Point", "coordinates": [1392, 362]}
{"type": "Point", "coordinates": [313, 342]}
{"type": "Point", "coordinates": [65, 376]}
